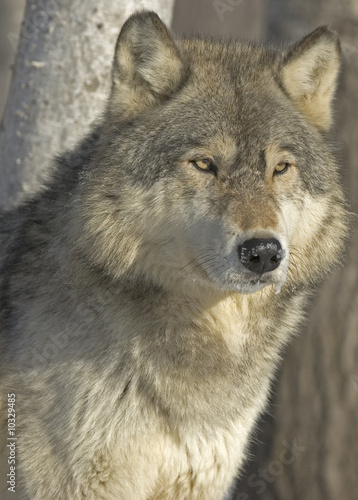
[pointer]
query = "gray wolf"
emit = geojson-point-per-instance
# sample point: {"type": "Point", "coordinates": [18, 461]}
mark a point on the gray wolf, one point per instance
{"type": "Point", "coordinates": [148, 289]}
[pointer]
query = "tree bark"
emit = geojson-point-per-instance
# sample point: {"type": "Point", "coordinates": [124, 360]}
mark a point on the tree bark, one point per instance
{"type": "Point", "coordinates": [315, 407]}
{"type": "Point", "coordinates": [60, 82]}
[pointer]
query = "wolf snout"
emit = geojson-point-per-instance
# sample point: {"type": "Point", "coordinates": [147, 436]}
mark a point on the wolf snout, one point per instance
{"type": "Point", "coordinates": [261, 255]}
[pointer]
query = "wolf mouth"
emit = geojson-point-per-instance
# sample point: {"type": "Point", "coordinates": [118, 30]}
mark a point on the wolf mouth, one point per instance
{"type": "Point", "coordinates": [248, 286]}
{"type": "Point", "coordinates": [253, 285]}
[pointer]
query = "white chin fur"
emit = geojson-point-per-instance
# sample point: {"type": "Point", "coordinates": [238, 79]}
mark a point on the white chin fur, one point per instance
{"type": "Point", "coordinates": [242, 284]}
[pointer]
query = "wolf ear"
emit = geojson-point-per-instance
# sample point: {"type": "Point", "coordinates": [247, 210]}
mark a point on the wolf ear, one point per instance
{"type": "Point", "coordinates": [309, 74]}
{"type": "Point", "coordinates": [147, 65]}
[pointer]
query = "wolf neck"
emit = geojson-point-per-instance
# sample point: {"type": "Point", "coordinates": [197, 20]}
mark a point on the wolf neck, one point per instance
{"type": "Point", "coordinates": [222, 353]}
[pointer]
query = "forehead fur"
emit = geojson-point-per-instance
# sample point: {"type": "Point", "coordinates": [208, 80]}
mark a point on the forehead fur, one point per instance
{"type": "Point", "coordinates": [244, 59]}
{"type": "Point", "coordinates": [218, 69]}
{"type": "Point", "coordinates": [235, 86]}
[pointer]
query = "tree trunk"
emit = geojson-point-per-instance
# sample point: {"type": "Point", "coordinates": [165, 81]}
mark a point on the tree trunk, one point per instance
{"type": "Point", "coordinates": [315, 407]}
{"type": "Point", "coordinates": [60, 82]}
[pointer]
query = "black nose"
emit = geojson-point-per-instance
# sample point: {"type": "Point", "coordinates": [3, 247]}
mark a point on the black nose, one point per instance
{"type": "Point", "coordinates": [261, 255]}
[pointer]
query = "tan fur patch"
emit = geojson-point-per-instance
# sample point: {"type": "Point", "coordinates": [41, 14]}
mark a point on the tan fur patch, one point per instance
{"type": "Point", "coordinates": [256, 214]}
{"type": "Point", "coordinates": [310, 80]}
{"type": "Point", "coordinates": [315, 210]}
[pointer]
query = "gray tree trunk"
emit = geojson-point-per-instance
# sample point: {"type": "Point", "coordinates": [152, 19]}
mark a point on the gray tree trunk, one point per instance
{"type": "Point", "coordinates": [60, 82]}
{"type": "Point", "coordinates": [315, 407]}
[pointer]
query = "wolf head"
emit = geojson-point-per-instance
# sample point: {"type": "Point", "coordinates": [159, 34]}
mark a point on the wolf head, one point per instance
{"type": "Point", "coordinates": [213, 165]}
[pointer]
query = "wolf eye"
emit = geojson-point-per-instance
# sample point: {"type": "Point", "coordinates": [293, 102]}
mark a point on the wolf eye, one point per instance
{"type": "Point", "coordinates": [282, 167]}
{"type": "Point", "coordinates": [205, 165]}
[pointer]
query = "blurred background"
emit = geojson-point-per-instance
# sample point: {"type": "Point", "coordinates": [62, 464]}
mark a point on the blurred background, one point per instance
{"type": "Point", "coordinates": [55, 58]}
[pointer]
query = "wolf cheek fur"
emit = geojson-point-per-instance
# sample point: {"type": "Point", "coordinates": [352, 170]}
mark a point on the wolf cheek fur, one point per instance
{"type": "Point", "coordinates": [141, 329]}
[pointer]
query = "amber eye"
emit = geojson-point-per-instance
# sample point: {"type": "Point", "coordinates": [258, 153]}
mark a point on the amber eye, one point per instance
{"type": "Point", "coordinates": [205, 165]}
{"type": "Point", "coordinates": [282, 168]}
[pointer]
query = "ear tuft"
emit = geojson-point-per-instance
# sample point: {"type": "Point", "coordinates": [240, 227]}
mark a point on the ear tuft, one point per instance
{"type": "Point", "coordinates": [147, 66]}
{"type": "Point", "coordinates": [309, 74]}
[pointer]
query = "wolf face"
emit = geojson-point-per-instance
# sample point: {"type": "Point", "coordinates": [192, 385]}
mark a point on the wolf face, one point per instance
{"type": "Point", "coordinates": [223, 146]}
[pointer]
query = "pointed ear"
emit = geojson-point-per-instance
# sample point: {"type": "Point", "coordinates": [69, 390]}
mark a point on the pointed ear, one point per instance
{"type": "Point", "coordinates": [309, 74]}
{"type": "Point", "coordinates": [147, 65]}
